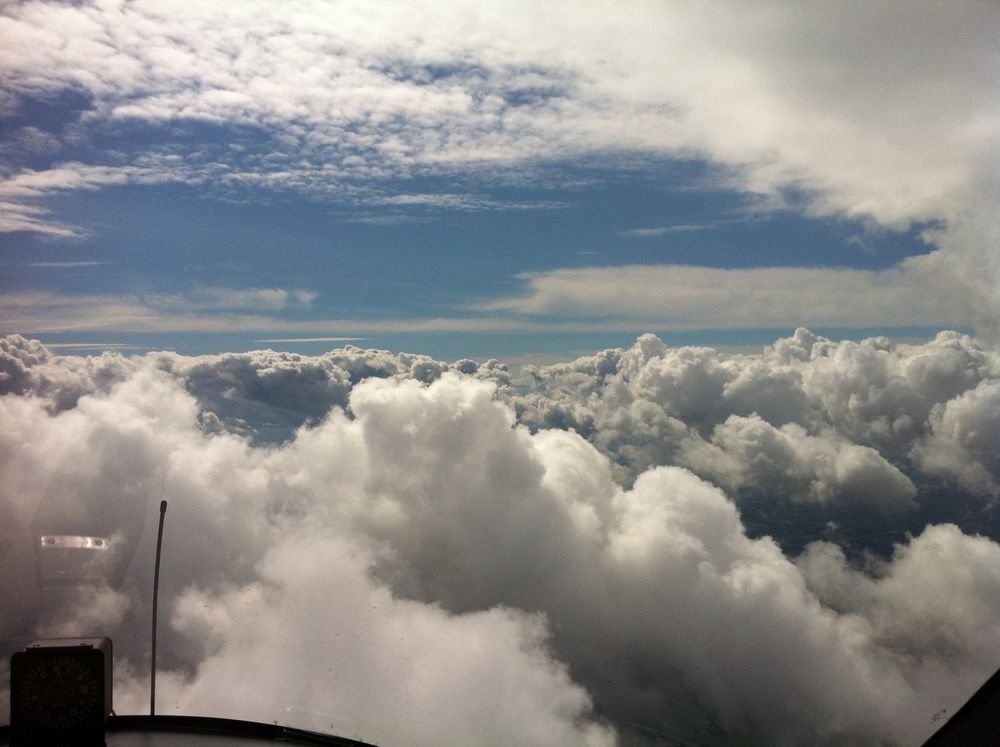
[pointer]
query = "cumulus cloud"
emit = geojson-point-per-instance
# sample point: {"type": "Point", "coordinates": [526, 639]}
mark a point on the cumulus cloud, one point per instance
{"type": "Point", "coordinates": [879, 402]}
{"type": "Point", "coordinates": [28, 367]}
{"type": "Point", "coordinates": [412, 547]}
{"type": "Point", "coordinates": [878, 113]}
{"type": "Point", "coordinates": [788, 461]}
{"type": "Point", "coordinates": [941, 558]}
{"type": "Point", "coordinates": [379, 667]}
{"type": "Point", "coordinates": [904, 604]}
{"type": "Point", "coordinates": [963, 438]}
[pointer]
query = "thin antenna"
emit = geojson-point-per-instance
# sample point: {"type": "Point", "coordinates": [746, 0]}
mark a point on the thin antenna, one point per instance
{"type": "Point", "coordinates": [156, 591]}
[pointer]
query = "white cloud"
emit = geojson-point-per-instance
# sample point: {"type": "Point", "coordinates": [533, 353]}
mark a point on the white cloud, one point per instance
{"type": "Point", "coordinates": [625, 298]}
{"type": "Point", "coordinates": [792, 97]}
{"type": "Point", "coordinates": [691, 297]}
{"type": "Point", "coordinates": [210, 299]}
{"type": "Point", "coordinates": [199, 309]}
{"type": "Point", "coordinates": [416, 550]}
{"type": "Point", "coordinates": [18, 216]}
{"type": "Point", "coordinates": [398, 672]}
{"type": "Point", "coordinates": [651, 405]}
{"type": "Point", "coordinates": [68, 265]}
{"type": "Point", "coordinates": [963, 438]}
{"type": "Point", "coordinates": [97, 346]}
{"type": "Point", "coordinates": [20, 191]}
{"type": "Point", "coordinates": [750, 452]}
{"type": "Point", "coordinates": [646, 233]}
{"type": "Point", "coordinates": [392, 671]}
{"type": "Point", "coordinates": [70, 176]}
{"type": "Point", "coordinates": [879, 112]}
{"type": "Point", "coordinates": [959, 568]}
{"type": "Point", "coordinates": [313, 339]}
{"type": "Point", "coordinates": [462, 202]}
{"type": "Point", "coordinates": [26, 366]}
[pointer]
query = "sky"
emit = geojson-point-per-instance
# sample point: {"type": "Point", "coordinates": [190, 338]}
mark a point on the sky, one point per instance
{"type": "Point", "coordinates": [515, 373]}
{"type": "Point", "coordinates": [494, 181]}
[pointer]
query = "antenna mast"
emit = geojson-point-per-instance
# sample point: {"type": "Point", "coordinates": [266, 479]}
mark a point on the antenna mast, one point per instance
{"type": "Point", "coordinates": [156, 591]}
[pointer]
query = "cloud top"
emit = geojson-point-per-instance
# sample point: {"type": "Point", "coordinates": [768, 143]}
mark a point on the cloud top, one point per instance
{"type": "Point", "coordinates": [572, 556]}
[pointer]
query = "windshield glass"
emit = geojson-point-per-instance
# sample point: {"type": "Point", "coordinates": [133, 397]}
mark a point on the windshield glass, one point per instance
{"type": "Point", "coordinates": [522, 373]}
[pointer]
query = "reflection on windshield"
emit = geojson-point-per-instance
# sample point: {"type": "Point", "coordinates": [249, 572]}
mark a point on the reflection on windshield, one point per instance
{"type": "Point", "coordinates": [92, 538]}
{"type": "Point", "coordinates": [73, 558]}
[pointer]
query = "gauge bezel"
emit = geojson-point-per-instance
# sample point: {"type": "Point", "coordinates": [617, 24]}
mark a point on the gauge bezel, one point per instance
{"type": "Point", "coordinates": [61, 691]}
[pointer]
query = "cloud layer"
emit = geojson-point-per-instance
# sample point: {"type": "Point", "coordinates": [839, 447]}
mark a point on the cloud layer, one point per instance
{"type": "Point", "coordinates": [691, 297]}
{"type": "Point", "coordinates": [562, 557]}
{"type": "Point", "coordinates": [363, 90]}
{"type": "Point", "coordinates": [881, 114]}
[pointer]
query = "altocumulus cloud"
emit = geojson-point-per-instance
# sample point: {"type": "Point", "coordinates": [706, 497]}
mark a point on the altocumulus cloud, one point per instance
{"type": "Point", "coordinates": [780, 103]}
{"type": "Point", "coordinates": [444, 553]}
{"type": "Point", "coordinates": [874, 112]}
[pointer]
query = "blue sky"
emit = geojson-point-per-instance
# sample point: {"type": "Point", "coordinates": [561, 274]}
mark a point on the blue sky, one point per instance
{"type": "Point", "coordinates": [518, 182]}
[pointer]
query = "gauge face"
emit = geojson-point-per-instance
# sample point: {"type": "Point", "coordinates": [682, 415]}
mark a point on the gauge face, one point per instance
{"type": "Point", "coordinates": [60, 693]}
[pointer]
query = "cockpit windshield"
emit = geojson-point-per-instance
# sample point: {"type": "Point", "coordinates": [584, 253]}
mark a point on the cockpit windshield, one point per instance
{"type": "Point", "coordinates": [515, 373]}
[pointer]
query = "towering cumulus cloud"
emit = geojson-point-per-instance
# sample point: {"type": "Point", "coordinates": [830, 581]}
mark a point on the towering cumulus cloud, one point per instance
{"type": "Point", "coordinates": [415, 552]}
